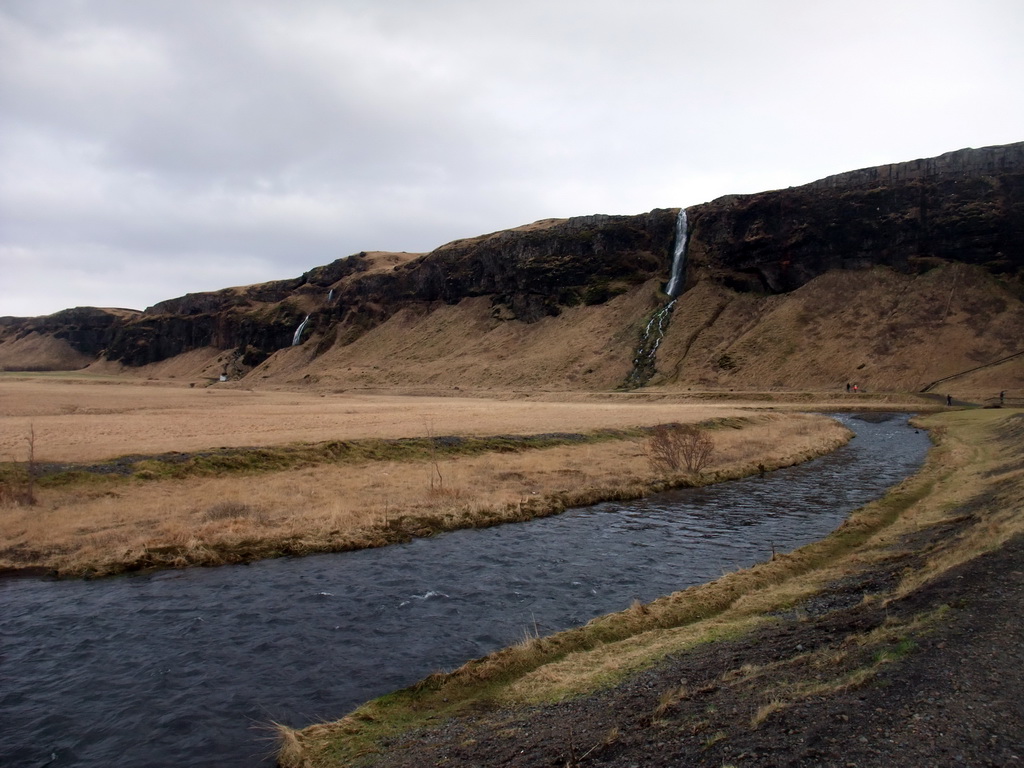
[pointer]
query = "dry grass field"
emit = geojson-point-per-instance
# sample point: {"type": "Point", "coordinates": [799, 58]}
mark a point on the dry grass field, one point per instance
{"type": "Point", "coordinates": [82, 418]}
{"type": "Point", "coordinates": [105, 524]}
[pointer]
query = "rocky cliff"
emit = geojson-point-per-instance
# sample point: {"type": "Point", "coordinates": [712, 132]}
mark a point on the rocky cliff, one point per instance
{"type": "Point", "coordinates": [964, 207]}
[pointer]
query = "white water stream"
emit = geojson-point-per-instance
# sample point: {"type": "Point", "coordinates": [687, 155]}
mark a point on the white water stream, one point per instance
{"type": "Point", "coordinates": [677, 277]}
{"type": "Point", "coordinates": [297, 338]}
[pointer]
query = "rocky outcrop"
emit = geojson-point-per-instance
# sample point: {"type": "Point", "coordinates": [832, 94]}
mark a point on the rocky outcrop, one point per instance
{"type": "Point", "coordinates": [313, 282]}
{"type": "Point", "coordinates": [88, 330]}
{"type": "Point", "coordinates": [964, 206]}
{"type": "Point", "coordinates": [532, 271]}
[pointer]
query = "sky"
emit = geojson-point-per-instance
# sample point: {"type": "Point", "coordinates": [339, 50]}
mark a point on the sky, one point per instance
{"type": "Point", "coordinates": [152, 148]}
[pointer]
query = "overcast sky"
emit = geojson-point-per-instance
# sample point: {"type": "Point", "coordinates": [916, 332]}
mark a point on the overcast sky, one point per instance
{"type": "Point", "coordinates": [151, 148]}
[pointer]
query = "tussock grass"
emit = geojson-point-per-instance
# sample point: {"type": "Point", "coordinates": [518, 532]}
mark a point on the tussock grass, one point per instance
{"type": "Point", "coordinates": [969, 453]}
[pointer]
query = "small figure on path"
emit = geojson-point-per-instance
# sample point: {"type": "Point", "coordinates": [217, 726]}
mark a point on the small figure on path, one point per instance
{"type": "Point", "coordinates": [847, 386]}
{"type": "Point", "coordinates": [1002, 397]}
{"type": "Point", "coordinates": [949, 399]}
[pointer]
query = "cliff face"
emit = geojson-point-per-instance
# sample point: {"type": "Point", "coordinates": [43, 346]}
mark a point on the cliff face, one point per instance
{"type": "Point", "coordinates": [535, 270]}
{"type": "Point", "coordinates": [965, 206]}
{"type": "Point", "coordinates": [87, 330]}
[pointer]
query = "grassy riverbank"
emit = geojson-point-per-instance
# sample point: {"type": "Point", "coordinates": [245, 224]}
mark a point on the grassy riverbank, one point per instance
{"type": "Point", "coordinates": [549, 700]}
{"type": "Point", "coordinates": [234, 505]}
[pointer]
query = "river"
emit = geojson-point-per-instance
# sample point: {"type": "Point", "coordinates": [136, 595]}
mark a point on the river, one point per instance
{"type": "Point", "coordinates": [186, 668]}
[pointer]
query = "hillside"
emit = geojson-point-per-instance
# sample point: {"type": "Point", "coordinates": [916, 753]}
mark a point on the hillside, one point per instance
{"type": "Point", "coordinates": [890, 277]}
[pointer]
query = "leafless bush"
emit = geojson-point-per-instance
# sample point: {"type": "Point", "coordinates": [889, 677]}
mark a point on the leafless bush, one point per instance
{"type": "Point", "coordinates": [30, 486]}
{"type": "Point", "coordinates": [674, 447]}
{"type": "Point", "coordinates": [8, 495]}
{"type": "Point", "coordinates": [19, 489]}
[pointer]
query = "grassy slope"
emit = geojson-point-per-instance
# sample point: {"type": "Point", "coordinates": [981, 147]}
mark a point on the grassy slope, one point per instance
{"type": "Point", "coordinates": [38, 352]}
{"type": "Point", "coordinates": [883, 330]}
{"type": "Point", "coordinates": [878, 328]}
{"type": "Point", "coordinates": [978, 452]}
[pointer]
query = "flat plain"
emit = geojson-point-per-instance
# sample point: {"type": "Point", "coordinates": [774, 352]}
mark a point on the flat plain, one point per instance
{"type": "Point", "coordinates": [172, 506]}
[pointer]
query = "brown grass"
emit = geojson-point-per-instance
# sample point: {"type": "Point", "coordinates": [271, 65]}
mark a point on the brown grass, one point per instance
{"type": "Point", "coordinates": [85, 419]}
{"type": "Point", "coordinates": [108, 525]}
{"type": "Point", "coordinates": [881, 329]}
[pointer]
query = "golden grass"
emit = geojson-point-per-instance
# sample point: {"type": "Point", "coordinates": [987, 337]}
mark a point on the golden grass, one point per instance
{"type": "Point", "coordinates": [977, 451]}
{"type": "Point", "coordinates": [83, 418]}
{"type": "Point", "coordinates": [105, 526]}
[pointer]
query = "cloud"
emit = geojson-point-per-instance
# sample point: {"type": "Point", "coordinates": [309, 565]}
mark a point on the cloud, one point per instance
{"type": "Point", "coordinates": [182, 145]}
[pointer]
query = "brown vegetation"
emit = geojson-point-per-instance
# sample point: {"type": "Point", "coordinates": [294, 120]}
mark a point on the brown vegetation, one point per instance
{"type": "Point", "coordinates": [877, 328]}
{"type": "Point", "coordinates": [672, 447]}
{"type": "Point", "coordinates": [219, 512]}
{"type": "Point", "coordinates": [80, 418]}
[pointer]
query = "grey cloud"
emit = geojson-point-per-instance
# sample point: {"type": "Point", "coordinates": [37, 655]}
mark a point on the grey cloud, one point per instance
{"type": "Point", "coordinates": [173, 145]}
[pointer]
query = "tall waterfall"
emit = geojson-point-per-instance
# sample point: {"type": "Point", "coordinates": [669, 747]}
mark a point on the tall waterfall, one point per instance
{"type": "Point", "coordinates": [644, 363]}
{"type": "Point", "coordinates": [677, 277]}
{"type": "Point", "coordinates": [297, 338]}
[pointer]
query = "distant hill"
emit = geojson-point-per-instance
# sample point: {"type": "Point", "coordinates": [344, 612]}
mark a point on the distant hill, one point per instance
{"type": "Point", "coordinates": [889, 277]}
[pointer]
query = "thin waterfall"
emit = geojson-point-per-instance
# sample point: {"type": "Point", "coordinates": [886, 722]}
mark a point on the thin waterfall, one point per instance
{"type": "Point", "coordinates": [330, 295]}
{"type": "Point", "coordinates": [677, 277]}
{"type": "Point", "coordinates": [297, 338]}
{"type": "Point", "coordinates": [644, 363]}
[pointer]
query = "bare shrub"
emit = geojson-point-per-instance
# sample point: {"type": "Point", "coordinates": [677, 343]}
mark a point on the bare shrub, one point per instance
{"type": "Point", "coordinates": [19, 488]}
{"type": "Point", "coordinates": [673, 447]}
{"type": "Point", "coordinates": [30, 486]}
{"type": "Point", "coordinates": [453, 494]}
{"type": "Point", "coordinates": [8, 495]}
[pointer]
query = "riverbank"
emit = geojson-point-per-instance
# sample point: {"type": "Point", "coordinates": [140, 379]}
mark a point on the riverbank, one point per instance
{"type": "Point", "coordinates": [152, 517]}
{"type": "Point", "coordinates": [225, 503]}
{"type": "Point", "coordinates": [896, 640]}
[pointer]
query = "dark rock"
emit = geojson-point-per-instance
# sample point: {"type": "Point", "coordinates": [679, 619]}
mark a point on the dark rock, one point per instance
{"type": "Point", "coordinates": [965, 206]}
{"type": "Point", "coordinates": [87, 329]}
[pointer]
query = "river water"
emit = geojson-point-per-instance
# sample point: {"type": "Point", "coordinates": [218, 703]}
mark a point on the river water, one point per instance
{"type": "Point", "coordinates": [186, 668]}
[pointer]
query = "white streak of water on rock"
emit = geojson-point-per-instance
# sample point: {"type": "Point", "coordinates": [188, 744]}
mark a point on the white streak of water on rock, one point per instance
{"type": "Point", "coordinates": [297, 338]}
{"type": "Point", "coordinates": [678, 274]}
